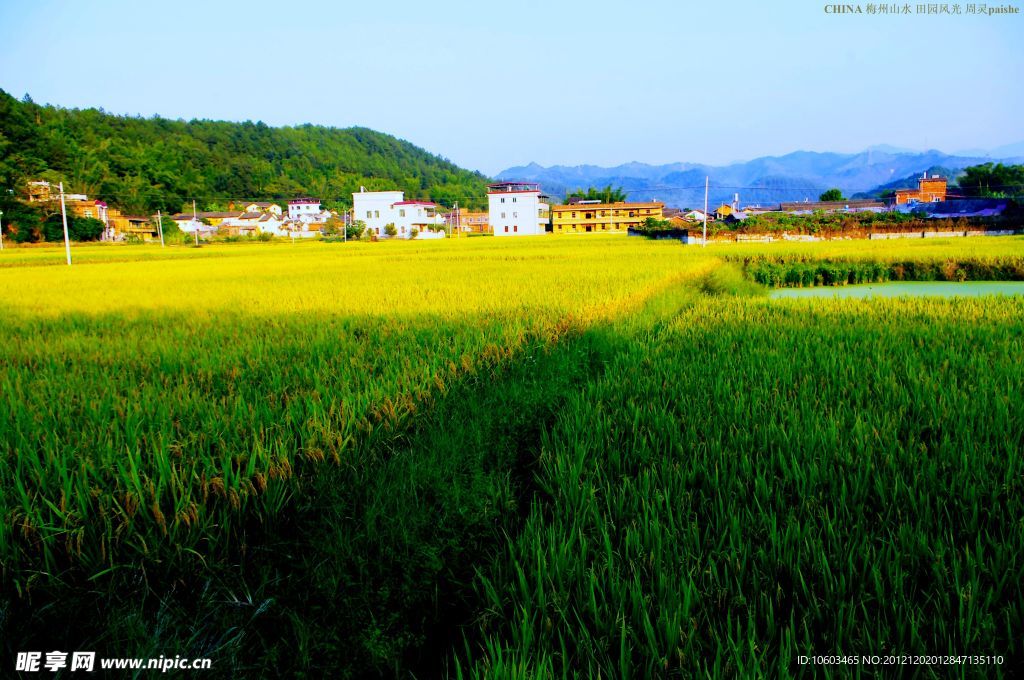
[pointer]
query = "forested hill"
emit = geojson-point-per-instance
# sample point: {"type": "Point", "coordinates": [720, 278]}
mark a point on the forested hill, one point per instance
{"type": "Point", "coordinates": [142, 164]}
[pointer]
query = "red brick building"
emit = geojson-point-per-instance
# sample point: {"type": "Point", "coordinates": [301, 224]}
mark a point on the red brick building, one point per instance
{"type": "Point", "coordinates": [929, 190]}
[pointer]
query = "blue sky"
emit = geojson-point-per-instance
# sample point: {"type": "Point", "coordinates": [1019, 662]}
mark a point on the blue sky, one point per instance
{"type": "Point", "coordinates": [598, 82]}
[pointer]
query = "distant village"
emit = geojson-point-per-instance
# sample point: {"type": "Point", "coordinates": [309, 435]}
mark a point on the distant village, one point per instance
{"type": "Point", "coordinates": [514, 209]}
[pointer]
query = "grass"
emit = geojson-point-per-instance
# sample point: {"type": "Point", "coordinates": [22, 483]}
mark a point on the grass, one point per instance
{"type": "Point", "coordinates": [505, 458]}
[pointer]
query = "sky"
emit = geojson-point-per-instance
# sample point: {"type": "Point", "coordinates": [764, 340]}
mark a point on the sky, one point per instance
{"type": "Point", "coordinates": [492, 85]}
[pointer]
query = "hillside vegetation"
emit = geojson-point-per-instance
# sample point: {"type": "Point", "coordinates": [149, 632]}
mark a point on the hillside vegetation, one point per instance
{"type": "Point", "coordinates": [142, 164]}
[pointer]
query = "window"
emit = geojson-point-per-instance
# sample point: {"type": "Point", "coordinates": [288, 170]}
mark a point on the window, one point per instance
{"type": "Point", "coordinates": [376, 213]}
{"type": "Point", "coordinates": [502, 215]}
{"type": "Point", "coordinates": [574, 215]}
{"type": "Point", "coordinates": [401, 213]}
{"type": "Point", "coordinates": [515, 227]}
{"type": "Point", "coordinates": [369, 214]}
{"type": "Point", "coordinates": [515, 214]}
{"type": "Point", "coordinates": [506, 227]}
{"type": "Point", "coordinates": [502, 199]}
{"type": "Point", "coordinates": [513, 199]}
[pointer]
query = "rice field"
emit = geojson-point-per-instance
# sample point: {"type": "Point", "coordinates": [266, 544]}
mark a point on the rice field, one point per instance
{"type": "Point", "coordinates": [528, 458]}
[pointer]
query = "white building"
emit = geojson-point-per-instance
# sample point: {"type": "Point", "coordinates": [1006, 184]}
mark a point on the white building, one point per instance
{"type": "Point", "coordinates": [306, 210]}
{"type": "Point", "coordinates": [378, 209]}
{"type": "Point", "coordinates": [264, 207]}
{"type": "Point", "coordinates": [516, 209]}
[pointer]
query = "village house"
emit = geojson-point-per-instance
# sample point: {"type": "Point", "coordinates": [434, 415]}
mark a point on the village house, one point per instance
{"type": "Point", "coordinates": [186, 221]}
{"type": "Point", "coordinates": [307, 211]}
{"type": "Point", "coordinates": [262, 207]}
{"type": "Point", "coordinates": [468, 222]}
{"type": "Point", "coordinates": [516, 209]}
{"type": "Point", "coordinates": [116, 225]}
{"type": "Point", "coordinates": [594, 216]}
{"type": "Point", "coordinates": [378, 209]}
{"type": "Point", "coordinates": [246, 224]}
{"type": "Point", "coordinates": [929, 190]}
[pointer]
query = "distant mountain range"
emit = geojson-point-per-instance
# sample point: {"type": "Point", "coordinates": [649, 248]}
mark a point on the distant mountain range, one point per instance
{"type": "Point", "coordinates": [798, 176]}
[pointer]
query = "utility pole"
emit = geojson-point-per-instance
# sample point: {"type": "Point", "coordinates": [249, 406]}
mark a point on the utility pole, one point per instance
{"type": "Point", "coordinates": [195, 222]}
{"type": "Point", "coordinates": [704, 243]}
{"type": "Point", "coordinates": [64, 217]}
{"type": "Point", "coordinates": [160, 227]}
{"type": "Point", "coordinates": [458, 227]}
{"type": "Point", "coordinates": [1, 229]}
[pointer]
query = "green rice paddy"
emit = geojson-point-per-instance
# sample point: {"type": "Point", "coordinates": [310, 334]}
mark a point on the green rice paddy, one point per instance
{"type": "Point", "coordinates": [597, 458]}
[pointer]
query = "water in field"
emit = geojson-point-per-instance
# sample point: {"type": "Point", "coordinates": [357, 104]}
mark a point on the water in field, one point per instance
{"type": "Point", "coordinates": [905, 289]}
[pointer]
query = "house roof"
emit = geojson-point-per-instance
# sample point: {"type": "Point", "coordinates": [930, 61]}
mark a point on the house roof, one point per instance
{"type": "Point", "coordinates": [578, 207]}
{"type": "Point", "coordinates": [831, 205]}
{"type": "Point", "coordinates": [200, 215]}
{"type": "Point", "coordinates": [414, 203]}
{"type": "Point", "coordinates": [963, 207]}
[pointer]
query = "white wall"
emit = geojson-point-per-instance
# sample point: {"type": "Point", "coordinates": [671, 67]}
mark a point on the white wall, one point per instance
{"type": "Point", "coordinates": [374, 208]}
{"type": "Point", "coordinates": [306, 212]}
{"type": "Point", "coordinates": [517, 213]}
{"type": "Point", "coordinates": [381, 208]}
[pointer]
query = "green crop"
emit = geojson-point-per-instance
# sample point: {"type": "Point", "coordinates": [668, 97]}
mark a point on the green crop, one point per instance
{"type": "Point", "coordinates": [529, 458]}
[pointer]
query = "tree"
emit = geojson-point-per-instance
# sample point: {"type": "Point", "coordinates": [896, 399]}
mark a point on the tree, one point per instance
{"type": "Point", "coordinates": [390, 229]}
{"type": "Point", "coordinates": [171, 228]}
{"type": "Point", "coordinates": [832, 195]}
{"type": "Point", "coordinates": [605, 195]}
{"type": "Point", "coordinates": [21, 222]}
{"type": "Point", "coordinates": [333, 226]}
{"type": "Point", "coordinates": [356, 229]}
{"type": "Point", "coordinates": [654, 224]}
{"type": "Point", "coordinates": [139, 165]}
{"type": "Point", "coordinates": [79, 228]}
{"type": "Point", "coordinates": [992, 181]}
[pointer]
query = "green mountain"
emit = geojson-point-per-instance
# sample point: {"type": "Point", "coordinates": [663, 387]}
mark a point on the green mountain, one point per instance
{"type": "Point", "coordinates": [142, 164]}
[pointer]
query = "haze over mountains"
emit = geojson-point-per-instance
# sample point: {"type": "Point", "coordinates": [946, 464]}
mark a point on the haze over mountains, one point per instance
{"type": "Point", "coordinates": [798, 176]}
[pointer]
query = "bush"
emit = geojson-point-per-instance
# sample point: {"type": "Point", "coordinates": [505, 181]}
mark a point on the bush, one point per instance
{"type": "Point", "coordinates": [79, 228]}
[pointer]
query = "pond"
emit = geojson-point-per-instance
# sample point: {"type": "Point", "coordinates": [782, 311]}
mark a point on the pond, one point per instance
{"type": "Point", "coordinates": [905, 289]}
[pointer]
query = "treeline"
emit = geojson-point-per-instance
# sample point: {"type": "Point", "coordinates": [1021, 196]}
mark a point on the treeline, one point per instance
{"type": "Point", "coordinates": [143, 164]}
{"type": "Point", "coordinates": [993, 181]}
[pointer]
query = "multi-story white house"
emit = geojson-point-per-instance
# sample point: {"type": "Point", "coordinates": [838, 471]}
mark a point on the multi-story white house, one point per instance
{"type": "Point", "coordinates": [378, 209]}
{"type": "Point", "coordinates": [306, 210]}
{"type": "Point", "coordinates": [515, 209]}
